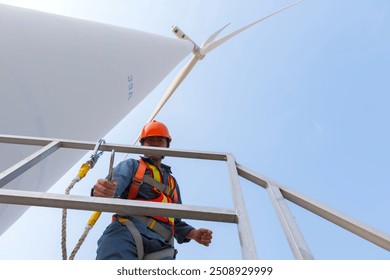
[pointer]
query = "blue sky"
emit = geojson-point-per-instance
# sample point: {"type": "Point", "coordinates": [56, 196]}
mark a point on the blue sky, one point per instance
{"type": "Point", "coordinates": [301, 98]}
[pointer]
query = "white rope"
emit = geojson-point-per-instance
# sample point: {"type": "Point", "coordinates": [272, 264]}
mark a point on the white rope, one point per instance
{"type": "Point", "coordinates": [64, 218]}
{"type": "Point", "coordinates": [80, 242]}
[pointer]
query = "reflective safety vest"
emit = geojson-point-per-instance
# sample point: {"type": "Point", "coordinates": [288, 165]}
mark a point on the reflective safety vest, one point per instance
{"type": "Point", "coordinates": [166, 193]}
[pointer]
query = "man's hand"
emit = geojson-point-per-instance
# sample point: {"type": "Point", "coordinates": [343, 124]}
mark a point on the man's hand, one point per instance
{"type": "Point", "coordinates": [202, 236]}
{"type": "Point", "coordinates": [104, 188]}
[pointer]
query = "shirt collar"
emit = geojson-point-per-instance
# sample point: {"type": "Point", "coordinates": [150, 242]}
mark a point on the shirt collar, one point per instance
{"type": "Point", "coordinates": [162, 165]}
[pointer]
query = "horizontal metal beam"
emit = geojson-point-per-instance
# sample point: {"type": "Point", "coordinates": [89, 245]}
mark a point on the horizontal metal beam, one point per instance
{"type": "Point", "coordinates": [84, 145]}
{"type": "Point", "coordinates": [373, 235]}
{"type": "Point", "coordinates": [120, 206]}
{"type": "Point", "coordinates": [368, 233]}
{"type": "Point", "coordinates": [252, 176]}
{"type": "Point", "coordinates": [22, 140]}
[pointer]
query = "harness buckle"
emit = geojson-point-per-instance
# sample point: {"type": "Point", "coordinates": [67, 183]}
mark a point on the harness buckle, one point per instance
{"type": "Point", "coordinates": [151, 223]}
{"type": "Point", "coordinates": [137, 182]}
{"type": "Point", "coordinates": [169, 191]}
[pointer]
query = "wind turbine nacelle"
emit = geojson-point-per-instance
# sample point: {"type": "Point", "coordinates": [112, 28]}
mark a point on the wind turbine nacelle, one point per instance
{"type": "Point", "coordinates": [181, 35]}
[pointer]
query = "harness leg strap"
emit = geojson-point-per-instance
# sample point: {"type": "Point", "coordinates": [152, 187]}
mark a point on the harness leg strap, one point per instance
{"type": "Point", "coordinates": [137, 238]}
{"type": "Point", "coordinates": [158, 255]}
{"type": "Point", "coordinates": [162, 254]}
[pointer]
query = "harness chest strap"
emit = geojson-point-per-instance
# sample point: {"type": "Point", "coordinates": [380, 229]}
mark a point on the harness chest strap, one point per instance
{"type": "Point", "coordinates": [137, 180]}
{"type": "Point", "coordinates": [160, 186]}
{"type": "Point", "coordinates": [167, 191]}
{"type": "Point", "coordinates": [140, 177]}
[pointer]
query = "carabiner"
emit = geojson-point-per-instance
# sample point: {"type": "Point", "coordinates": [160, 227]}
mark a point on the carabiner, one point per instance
{"type": "Point", "coordinates": [96, 153]}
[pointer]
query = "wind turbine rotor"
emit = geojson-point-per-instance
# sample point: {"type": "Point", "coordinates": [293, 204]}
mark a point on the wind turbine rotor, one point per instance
{"type": "Point", "coordinates": [200, 52]}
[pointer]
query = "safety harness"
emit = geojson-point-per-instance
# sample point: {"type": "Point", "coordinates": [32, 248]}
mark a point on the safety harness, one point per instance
{"type": "Point", "coordinates": [166, 194]}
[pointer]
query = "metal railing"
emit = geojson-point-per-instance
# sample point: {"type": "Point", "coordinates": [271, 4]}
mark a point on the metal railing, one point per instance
{"type": "Point", "coordinates": [278, 195]}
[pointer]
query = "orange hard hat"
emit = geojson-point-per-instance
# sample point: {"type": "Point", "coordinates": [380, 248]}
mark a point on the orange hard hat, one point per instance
{"type": "Point", "coordinates": [155, 128]}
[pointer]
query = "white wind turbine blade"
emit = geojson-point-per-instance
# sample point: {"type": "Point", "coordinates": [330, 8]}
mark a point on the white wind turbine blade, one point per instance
{"type": "Point", "coordinates": [172, 87]}
{"type": "Point", "coordinates": [199, 53]}
{"type": "Point", "coordinates": [222, 40]}
{"type": "Point", "coordinates": [213, 36]}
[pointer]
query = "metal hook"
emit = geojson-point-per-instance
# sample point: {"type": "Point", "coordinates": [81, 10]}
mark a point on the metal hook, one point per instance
{"type": "Point", "coordinates": [96, 153]}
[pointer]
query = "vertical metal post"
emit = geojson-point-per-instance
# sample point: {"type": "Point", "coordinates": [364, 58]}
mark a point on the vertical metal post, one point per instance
{"type": "Point", "coordinates": [293, 234]}
{"type": "Point", "coordinates": [248, 247]}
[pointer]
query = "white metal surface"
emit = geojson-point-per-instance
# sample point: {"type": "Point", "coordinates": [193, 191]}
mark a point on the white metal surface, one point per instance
{"type": "Point", "coordinates": [55, 72]}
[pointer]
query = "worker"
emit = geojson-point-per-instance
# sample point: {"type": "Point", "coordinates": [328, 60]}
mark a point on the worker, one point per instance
{"type": "Point", "coordinates": [146, 179]}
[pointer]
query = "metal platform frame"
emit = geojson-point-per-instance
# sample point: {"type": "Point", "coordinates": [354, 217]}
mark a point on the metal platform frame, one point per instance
{"type": "Point", "coordinates": [278, 195]}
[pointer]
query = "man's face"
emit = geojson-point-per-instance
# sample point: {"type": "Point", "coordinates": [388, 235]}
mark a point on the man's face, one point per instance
{"type": "Point", "coordinates": [156, 141]}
